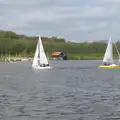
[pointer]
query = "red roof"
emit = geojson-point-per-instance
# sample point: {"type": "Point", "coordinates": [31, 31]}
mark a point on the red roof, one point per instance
{"type": "Point", "coordinates": [56, 54]}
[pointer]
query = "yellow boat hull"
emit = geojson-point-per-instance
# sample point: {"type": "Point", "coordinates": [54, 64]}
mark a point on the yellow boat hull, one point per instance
{"type": "Point", "coordinates": [102, 66]}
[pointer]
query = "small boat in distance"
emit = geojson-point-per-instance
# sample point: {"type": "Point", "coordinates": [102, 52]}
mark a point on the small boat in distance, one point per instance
{"type": "Point", "coordinates": [40, 60]}
{"type": "Point", "coordinates": [108, 56]}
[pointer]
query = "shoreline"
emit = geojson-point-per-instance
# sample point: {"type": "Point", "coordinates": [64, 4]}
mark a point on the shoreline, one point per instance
{"type": "Point", "coordinates": [15, 58]}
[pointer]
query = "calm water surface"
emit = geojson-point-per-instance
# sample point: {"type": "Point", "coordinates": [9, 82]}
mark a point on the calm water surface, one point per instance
{"type": "Point", "coordinates": [72, 90]}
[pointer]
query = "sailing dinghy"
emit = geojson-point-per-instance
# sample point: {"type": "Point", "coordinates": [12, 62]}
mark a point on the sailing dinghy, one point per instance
{"type": "Point", "coordinates": [108, 56]}
{"type": "Point", "coordinates": [40, 60]}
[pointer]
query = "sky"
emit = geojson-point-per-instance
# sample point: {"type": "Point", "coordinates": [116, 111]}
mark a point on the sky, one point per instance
{"type": "Point", "coordinates": [74, 20]}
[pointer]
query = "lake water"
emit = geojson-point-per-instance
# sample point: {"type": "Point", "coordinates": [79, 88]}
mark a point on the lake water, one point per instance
{"type": "Point", "coordinates": [72, 90]}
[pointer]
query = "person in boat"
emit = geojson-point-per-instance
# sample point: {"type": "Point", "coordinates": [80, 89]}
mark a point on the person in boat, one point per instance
{"type": "Point", "coordinates": [47, 65]}
{"type": "Point", "coordinates": [106, 64]}
{"type": "Point", "coordinates": [44, 65]}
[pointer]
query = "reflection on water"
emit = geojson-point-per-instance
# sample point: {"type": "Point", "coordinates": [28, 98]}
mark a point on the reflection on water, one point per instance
{"type": "Point", "coordinates": [72, 90]}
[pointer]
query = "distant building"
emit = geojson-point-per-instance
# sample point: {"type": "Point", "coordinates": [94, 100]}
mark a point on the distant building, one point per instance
{"type": "Point", "coordinates": [59, 56]}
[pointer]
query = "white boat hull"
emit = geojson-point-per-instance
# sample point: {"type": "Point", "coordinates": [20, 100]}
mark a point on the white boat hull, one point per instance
{"type": "Point", "coordinates": [38, 67]}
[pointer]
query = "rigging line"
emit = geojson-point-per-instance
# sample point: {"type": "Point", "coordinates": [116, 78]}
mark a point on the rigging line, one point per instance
{"type": "Point", "coordinates": [117, 50]}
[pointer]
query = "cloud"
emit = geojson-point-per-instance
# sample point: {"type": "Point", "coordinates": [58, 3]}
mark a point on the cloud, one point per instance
{"type": "Point", "coordinates": [74, 19]}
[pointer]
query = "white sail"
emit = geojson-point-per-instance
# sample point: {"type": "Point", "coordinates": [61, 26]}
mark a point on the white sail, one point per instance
{"type": "Point", "coordinates": [42, 57]}
{"type": "Point", "coordinates": [108, 57]}
{"type": "Point", "coordinates": [35, 60]}
{"type": "Point", "coordinates": [40, 60]}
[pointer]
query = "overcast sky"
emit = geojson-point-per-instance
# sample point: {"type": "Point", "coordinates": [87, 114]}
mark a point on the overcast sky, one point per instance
{"type": "Point", "coordinates": [75, 20]}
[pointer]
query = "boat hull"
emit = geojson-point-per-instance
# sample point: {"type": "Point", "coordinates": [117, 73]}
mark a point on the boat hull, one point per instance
{"type": "Point", "coordinates": [109, 67]}
{"type": "Point", "coordinates": [42, 68]}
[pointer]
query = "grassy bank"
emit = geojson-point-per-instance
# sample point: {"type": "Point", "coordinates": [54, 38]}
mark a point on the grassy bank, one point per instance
{"type": "Point", "coordinates": [70, 57]}
{"type": "Point", "coordinates": [91, 56]}
{"type": "Point", "coordinates": [24, 46]}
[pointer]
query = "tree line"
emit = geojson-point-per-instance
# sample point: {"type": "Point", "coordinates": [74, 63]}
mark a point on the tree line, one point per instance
{"type": "Point", "coordinates": [14, 44]}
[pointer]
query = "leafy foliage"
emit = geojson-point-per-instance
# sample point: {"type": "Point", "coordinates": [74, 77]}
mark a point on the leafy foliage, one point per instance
{"type": "Point", "coordinates": [13, 43]}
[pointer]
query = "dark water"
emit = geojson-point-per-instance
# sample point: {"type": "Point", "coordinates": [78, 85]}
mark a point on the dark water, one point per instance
{"type": "Point", "coordinates": [72, 90]}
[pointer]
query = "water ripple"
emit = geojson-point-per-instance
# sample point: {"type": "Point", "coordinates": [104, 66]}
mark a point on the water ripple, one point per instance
{"type": "Point", "coordinates": [64, 93]}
